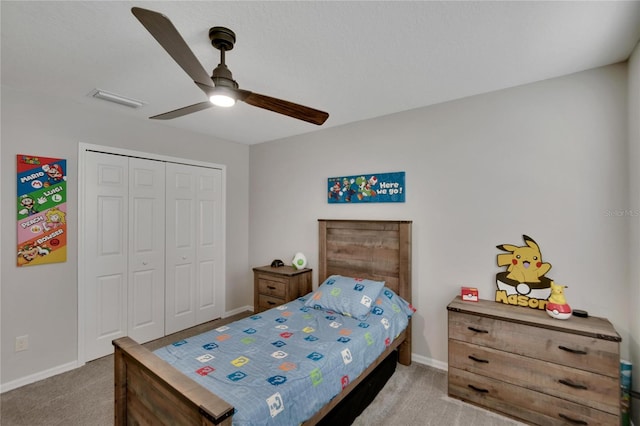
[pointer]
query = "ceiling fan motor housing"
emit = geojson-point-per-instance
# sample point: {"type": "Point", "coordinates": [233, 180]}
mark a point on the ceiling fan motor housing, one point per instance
{"type": "Point", "coordinates": [222, 76]}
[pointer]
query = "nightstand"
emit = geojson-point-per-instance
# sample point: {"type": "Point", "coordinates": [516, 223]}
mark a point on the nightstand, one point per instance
{"type": "Point", "coordinates": [275, 286]}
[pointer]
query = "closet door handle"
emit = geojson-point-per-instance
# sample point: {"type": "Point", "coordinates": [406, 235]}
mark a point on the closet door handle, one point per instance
{"type": "Point", "coordinates": [477, 330]}
{"type": "Point", "coordinates": [573, 351]}
{"type": "Point", "coordinates": [572, 420]}
{"type": "Point", "coordinates": [571, 384]}
{"type": "Point", "coordinates": [477, 389]}
{"type": "Point", "coordinates": [485, 361]}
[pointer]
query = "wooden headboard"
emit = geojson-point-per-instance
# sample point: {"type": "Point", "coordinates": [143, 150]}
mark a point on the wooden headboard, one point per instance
{"type": "Point", "coordinates": [374, 249]}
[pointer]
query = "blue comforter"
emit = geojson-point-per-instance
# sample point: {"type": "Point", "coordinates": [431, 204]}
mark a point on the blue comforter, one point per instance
{"type": "Point", "coordinates": [281, 366]}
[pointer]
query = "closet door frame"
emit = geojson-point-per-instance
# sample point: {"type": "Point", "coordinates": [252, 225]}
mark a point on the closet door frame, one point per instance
{"type": "Point", "coordinates": [83, 148]}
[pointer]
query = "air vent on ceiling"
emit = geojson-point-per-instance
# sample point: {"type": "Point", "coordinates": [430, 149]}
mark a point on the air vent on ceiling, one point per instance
{"type": "Point", "coordinates": [118, 99]}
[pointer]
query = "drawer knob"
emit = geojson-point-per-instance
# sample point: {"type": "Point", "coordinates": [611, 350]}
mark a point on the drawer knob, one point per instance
{"type": "Point", "coordinates": [571, 384]}
{"type": "Point", "coordinates": [477, 330]}
{"type": "Point", "coordinates": [572, 420]}
{"type": "Point", "coordinates": [573, 351]}
{"type": "Point", "coordinates": [478, 359]}
{"type": "Point", "coordinates": [477, 389]}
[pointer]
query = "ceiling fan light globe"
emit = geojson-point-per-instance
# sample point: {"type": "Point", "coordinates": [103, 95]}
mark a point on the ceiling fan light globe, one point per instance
{"type": "Point", "coordinates": [222, 100]}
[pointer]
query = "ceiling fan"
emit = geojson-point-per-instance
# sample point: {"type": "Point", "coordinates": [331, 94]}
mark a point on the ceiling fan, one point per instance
{"type": "Point", "coordinates": [220, 87]}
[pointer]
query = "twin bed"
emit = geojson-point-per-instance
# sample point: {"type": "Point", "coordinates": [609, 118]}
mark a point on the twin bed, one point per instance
{"type": "Point", "coordinates": [294, 363]}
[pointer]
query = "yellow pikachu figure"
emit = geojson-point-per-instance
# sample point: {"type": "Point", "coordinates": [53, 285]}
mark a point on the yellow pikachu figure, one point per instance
{"type": "Point", "coordinates": [524, 263]}
{"type": "Point", "coordinates": [523, 283]}
{"type": "Point", "coordinates": [557, 306]}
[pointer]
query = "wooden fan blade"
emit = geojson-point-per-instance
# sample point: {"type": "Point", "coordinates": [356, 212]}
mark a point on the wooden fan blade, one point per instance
{"type": "Point", "coordinates": [290, 109]}
{"type": "Point", "coordinates": [170, 39]}
{"type": "Point", "coordinates": [183, 111]}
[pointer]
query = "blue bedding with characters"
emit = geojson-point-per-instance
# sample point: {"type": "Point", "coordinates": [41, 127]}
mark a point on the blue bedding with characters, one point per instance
{"type": "Point", "coordinates": [279, 367]}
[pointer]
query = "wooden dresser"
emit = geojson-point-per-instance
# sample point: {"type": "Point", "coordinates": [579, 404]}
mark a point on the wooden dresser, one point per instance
{"type": "Point", "coordinates": [275, 286]}
{"type": "Point", "coordinates": [524, 364]}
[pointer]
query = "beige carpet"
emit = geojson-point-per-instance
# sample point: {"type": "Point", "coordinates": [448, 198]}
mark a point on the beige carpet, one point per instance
{"type": "Point", "coordinates": [415, 395]}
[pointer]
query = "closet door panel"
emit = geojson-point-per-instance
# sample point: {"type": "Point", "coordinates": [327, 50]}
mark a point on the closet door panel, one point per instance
{"type": "Point", "coordinates": [141, 288]}
{"type": "Point", "coordinates": [210, 303]}
{"type": "Point", "coordinates": [105, 236]}
{"type": "Point", "coordinates": [194, 244]}
{"type": "Point", "coordinates": [183, 294]}
{"type": "Point", "coordinates": [146, 249]}
{"type": "Point", "coordinates": [181, 248]}
{"type": "Point", "coordinates": [110, 292]}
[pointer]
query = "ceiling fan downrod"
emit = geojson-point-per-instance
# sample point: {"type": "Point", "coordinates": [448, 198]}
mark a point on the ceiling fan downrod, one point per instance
{"type": "Point", "coordinates": [222, 39]}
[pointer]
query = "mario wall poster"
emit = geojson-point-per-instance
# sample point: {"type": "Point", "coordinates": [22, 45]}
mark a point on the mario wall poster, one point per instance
{"type": "Point", "coordinates": [42, 210]}
{"type": "Point", "coordinates": [372, 188]}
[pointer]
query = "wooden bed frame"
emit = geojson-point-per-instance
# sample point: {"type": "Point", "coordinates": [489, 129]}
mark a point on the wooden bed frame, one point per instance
{"type": "Point", "coordinates": [148, 391]}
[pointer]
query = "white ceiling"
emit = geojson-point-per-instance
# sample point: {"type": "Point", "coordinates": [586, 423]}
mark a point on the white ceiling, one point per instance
{"type": "Point", "coordinates": [355, 60]}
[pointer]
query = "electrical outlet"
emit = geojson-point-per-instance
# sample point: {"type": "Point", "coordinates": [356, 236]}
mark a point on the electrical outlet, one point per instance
{"type": "Point", "coordinates": [22, 343]}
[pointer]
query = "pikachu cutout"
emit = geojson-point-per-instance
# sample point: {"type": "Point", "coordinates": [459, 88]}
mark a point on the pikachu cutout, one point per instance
{"type": "Point", "coordinates": [524, 282]}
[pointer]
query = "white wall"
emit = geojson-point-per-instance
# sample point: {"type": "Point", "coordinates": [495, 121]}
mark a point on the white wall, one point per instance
{"type": "Point", "coordinates": [634, 252]}
{"type": "Point", "coordinates": [547, 159]}
{"type": "Point", "coordinates": [41, 301]}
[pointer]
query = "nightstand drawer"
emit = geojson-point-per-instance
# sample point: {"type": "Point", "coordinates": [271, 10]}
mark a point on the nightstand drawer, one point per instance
{"type": "Point", "coordinates": [268, 302]}
{"type": "Point", "coordinates": [271, 287]}
{"type": "Point", "coordinates": [532, 406]}
{"type": "Point", "coordinates": [574, 350]}
{"type": "Point", "coordinates": [594, 390]}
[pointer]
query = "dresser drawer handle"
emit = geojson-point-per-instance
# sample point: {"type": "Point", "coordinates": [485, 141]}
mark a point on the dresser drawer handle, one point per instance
{"type": "Point", "coordinates": [478, 389]}
{"type": "Point", "coordinates": [270, 302]}
{"type": "Point", "coordinates": [477, 330]}
{"type": "Point", "coordinates": [573, 351]}
{"type": "Point", "coordinates": [270, 287]}
{"type": "Point", "coordinates": [571, 384]}
{"type": "Point", "coordinates": [571, 420]}
{"type": "Point", "coordinates": [478, 359]}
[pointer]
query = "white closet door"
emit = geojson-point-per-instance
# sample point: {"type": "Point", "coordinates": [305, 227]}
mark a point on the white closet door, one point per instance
{"type": "Point", "coordinates": [106, 207]}
{"type": "Point", "coordinates": [210, 241]}
{"type": "Point", "coordinates": [195, 274]}
{"type": "Point", "coordinates": [146, 249]}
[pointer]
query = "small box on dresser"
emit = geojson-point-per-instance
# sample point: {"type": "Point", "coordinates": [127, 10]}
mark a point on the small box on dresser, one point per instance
{"type": "Point", "coordinates": [275, 286]}
{"type": "Point", "coordinates": [524, 364]}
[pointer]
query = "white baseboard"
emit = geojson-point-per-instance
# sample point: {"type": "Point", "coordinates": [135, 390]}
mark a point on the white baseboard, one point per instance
{"type": "Point", "coordinates": [238, 310]}
{"type": "Point", "coordinates": [430, 362]}
{"type": "Point", "coordinates": [41, 375]}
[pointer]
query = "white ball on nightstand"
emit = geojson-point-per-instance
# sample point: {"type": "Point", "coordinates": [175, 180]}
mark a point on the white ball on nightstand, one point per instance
{"type": "Point", "coordinates": [299, 261]}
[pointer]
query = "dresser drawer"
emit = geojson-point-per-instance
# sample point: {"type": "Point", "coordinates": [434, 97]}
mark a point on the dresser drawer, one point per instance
{"type": "Point", "coordinates": [582, 387]}
{"type": "Point", "coordinates": [526, 404]}
{"type": "Point", "coordinates": [272, 287]}
{"type": "Point", "coordinates": [574, 350]}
